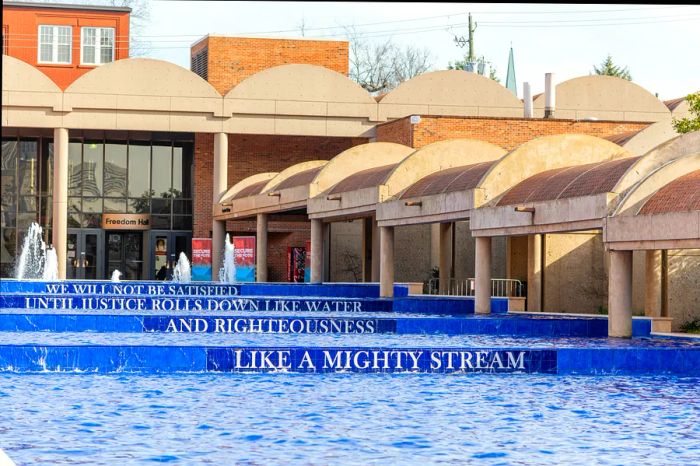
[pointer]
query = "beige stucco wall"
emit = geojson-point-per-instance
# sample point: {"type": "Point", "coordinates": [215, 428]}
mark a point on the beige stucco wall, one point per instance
{"type": "Point", "coordinates": [346, 251]}
{"type": "Point", "coordinates": [412, 253]}
{"type": "Point", "coordinates": [575, 275]}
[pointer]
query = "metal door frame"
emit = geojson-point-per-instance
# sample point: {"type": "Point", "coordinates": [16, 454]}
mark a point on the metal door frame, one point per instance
{"type": "Point", "coordinates": [81, 234]}
{"type": "Point", "coordinates": [171, 253]}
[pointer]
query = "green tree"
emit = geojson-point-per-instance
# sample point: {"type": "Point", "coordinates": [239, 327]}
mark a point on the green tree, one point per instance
{"type": "Point", "coordinates": [687, 125]}
{"type": "Point", "coordinates": [608, 68]}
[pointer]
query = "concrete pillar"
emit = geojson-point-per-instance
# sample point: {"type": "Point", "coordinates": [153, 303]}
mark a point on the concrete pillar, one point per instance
{"type": "Point", "coordinates": [218, 238]}
{"type": "Point", "coordinates": [386, 262]}
{"type": "Point", "coordinates": [59, 235]}
{"type": "Point", "coordinates": [316, 250]}
{"type": "Point", "coordinates": [326, 273]}
{"type": "Point", "coordinates": [220, 186]}
{"type": "Point", "coordinates": [652, 283]}
{"type": "Point", "coordinates": [534, 273]}
{"type": "Point", "coordinates": [445, 264]}
{"type": "Point", "coordinates": [482, 285]}
{"type": "Point", "coordinates": [664, 283]}
{"type": "Point", "coordinates": [620, 294]}
{"type": "Point", "coordinates": [375, 250]}
{"type": "Point", "coordinates": [367, 249]}
{"type": "Point", "coordinates": [434, 245]}
{"type": "Point", "coordinates": [261, 248]}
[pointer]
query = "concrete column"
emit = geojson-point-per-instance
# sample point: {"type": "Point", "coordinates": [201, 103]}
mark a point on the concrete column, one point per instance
{"type": "Point", "coordinates": [534, 273]}
{"type": "Point", "coordinates": [261, 248]}
{"type": "Point", "coordinates": [60, 198]}
{"type": "Point", "coordinates": [386, 262]}
{"type": "Point", "coordinates": [652, 283]}
{"type": "Point", "coordinates": [367, 249]}
{"type": "Point", "coordinates": [664, 283]}
{"type": "Point", "coordinates": [620, 294]}
{"type": "Point", "coordinates": [482, 285]}
{"type": "Point", "coordinates": [375, 250]}
{"type": "Point", "coordinates": [434, 245]}
{"type": "Point", "coordinates": [220, 186]}
{"type": "Point", "coordinates": [445, 264]}
{"type": "Point", "coordinates": [316, 250]}
{"type": "Point", "coordinates": [218, 238]}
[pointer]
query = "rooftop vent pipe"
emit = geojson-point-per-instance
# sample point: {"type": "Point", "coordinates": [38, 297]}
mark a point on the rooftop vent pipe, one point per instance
{"type": "Point", "coordinates": [549, 95]}
{"type": "Point", "coordinates": [527, 100]}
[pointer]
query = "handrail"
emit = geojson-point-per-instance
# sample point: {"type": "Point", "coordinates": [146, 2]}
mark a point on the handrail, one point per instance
{"type": "Point", "coordinates": [501, 287]}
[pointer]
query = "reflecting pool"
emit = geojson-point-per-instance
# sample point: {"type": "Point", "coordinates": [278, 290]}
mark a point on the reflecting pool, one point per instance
{"type": "Point", "coordinates": [260, 419]}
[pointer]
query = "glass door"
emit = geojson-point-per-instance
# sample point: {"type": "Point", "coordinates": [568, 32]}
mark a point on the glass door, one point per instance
{"type": "Point", "coordinates": [166, 247]}
{"type": "Point", "coordinates": [85, 255]}
{"type": "Point", "coordinates": [125, 253]}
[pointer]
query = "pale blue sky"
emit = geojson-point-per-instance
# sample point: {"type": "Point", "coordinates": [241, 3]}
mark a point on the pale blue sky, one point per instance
{"type": "Point", "coordinates": [659, 44]}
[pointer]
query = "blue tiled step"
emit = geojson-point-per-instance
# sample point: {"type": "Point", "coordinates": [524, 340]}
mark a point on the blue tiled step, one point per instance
{"type": "Point", "coordinates": [314, 323]}
{"type": "Point", "coordinates": [159, 288]}
{"type": "Point", "coordinates": [201, 304]}
{"type": "Point", "coordinates": [367, 359]}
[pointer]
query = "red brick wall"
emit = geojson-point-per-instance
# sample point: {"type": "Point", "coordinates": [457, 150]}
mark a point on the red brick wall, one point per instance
{"type": "Point", "coordinates": [399, 131]}
{"type": "Point", "coordinates": [509, 133]}
{"type": "Point", "coordinates": [232, 59]}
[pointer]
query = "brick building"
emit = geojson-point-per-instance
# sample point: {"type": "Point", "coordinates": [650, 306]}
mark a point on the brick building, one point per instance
{"type": "Point", "coordinates": [265, 105]}
{"type": "Point", "coordinates": [65, 41]}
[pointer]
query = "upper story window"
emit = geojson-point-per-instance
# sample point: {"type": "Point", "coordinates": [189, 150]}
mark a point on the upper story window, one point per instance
{"type": "Point", "coordinates": [97, 46]}
{"type": "Point", "coordinates": [55, 44]}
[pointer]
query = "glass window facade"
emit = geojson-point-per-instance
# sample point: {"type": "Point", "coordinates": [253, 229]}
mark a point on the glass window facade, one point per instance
{"type": "Point", "coordinates": [104, 175]}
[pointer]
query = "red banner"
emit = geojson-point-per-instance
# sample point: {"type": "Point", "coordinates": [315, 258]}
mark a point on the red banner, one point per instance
{"type": "Point", "coordinates": [244, 257]}
{"type": "Point", "coordinates": [201, 259]}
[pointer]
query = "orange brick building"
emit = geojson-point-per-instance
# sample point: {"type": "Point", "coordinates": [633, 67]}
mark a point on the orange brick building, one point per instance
{"type": "Point", "coordinates": [65, 41]}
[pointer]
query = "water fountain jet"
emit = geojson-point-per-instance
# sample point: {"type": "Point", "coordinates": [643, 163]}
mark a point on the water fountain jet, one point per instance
{"type": "Point", "coordinates": [227, 273]}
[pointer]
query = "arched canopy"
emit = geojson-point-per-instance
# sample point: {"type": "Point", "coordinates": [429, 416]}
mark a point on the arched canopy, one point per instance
{"type": "Point", "coordinates": [248, 186]}
{"type": "Point", "coordinates": [358, 158]}
{"type": "Point", "coordinates": [661, 154]}
{"type": "Point", "coordinates": [680, 195]}
{"type": "Point", "coordinates": [447, 181]}
{"type": "Point", "coordinates": [565, 182]}
{"type": "Point", "coordinates": [351, 184]}
{"type": "Point", "coordinates": [642, 141]}
{"type": "Point", "coordinates": [603, 98]}
{"type": "Point", "coordinates": [544, 154]}
{"type": "Point", "coordinates": [450, 92]}
{"type": "Point", "coordinates": [297, 175]}
{"type": "Point", "coordinates": [660, 212]}
{"type": "Point", "coordinates": [429, 160]}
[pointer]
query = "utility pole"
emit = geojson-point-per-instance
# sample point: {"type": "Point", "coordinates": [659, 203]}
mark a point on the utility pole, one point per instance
{"type": "Point", "coordinates": [462, 41]}
{"type": "Point", "coordinates": [472, 56]}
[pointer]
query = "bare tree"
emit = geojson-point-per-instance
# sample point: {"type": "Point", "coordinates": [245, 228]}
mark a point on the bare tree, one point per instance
{"type": "Point", "coordinates": [381, 66]}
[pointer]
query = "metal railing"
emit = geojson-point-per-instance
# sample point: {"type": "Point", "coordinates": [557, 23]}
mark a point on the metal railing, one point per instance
{"type": "Point", "coordinates": [502, 287]}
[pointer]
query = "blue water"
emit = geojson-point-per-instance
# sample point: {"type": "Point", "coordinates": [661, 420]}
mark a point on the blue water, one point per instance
{"type": "Point", "coordinates": [49, 419]}
{"type": "Point", "coordinates": [336, 340]}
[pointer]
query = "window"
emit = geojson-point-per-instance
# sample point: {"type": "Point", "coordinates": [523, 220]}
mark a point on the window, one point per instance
{"type": "Point", "coordinates": [55, 44]}
{"type": "Point", "coordinates": [97, 46]}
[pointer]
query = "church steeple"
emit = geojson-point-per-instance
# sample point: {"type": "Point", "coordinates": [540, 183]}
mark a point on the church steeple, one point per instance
{"type": "Point", "coordinates": [510, 78]}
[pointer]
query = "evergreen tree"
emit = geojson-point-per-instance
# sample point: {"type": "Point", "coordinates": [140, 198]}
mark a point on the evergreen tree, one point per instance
{"type": "Point", "coordinates": [608, 68]}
